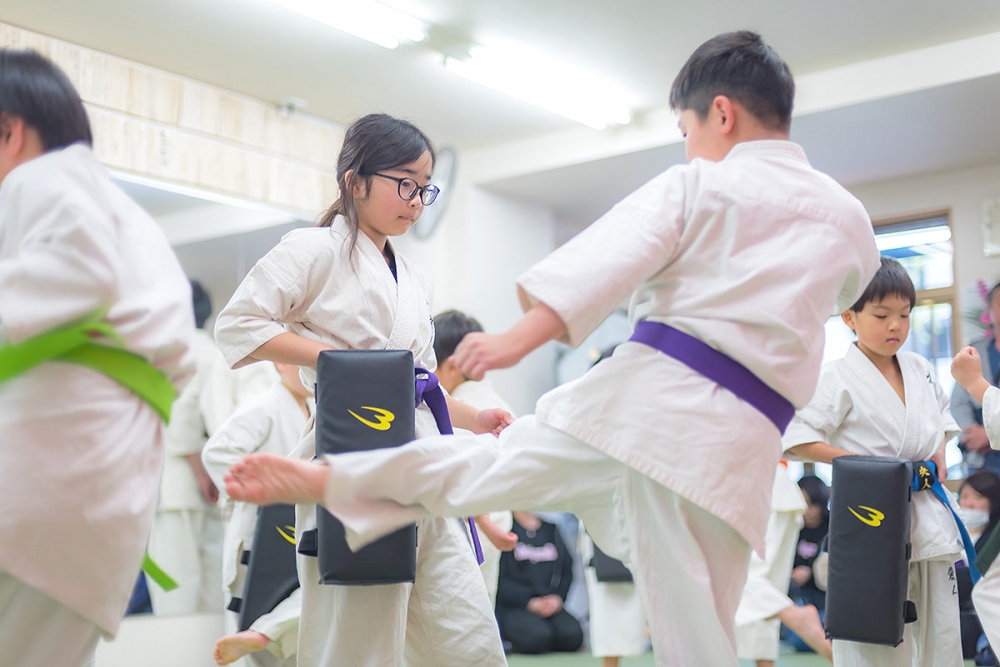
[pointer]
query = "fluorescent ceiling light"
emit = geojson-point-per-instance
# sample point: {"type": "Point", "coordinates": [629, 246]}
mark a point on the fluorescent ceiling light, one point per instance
{"type": "Point", "coordinates": [367, 19]}
{"type": "Point", "coordinates": [556, 87]}
{"type": "Point", "coordinates": [912, 237]}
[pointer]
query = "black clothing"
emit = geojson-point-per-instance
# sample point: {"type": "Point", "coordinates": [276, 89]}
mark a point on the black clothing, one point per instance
{"type": "Point", "coordinates": [539, 565]}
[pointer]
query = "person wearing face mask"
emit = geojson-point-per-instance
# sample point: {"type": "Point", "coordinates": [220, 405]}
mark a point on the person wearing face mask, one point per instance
{"type": "Point", "coordinates": [979, 500]}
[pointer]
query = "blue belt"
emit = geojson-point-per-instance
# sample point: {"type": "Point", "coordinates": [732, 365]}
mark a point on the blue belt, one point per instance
{"type": "Point", "coordinates": [925, 478]}
{"type": "Point", "coordinates": [428, 391]}
{"type": "Point", "coordinates": [717, 367]}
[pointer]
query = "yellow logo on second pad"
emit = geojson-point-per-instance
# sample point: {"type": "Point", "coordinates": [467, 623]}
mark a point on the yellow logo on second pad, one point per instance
{"type": "Point", "coordinates": [874, 517]}
{"type": "Point", "coordinates": [289, 538]}
{"type": "Point", "coordinates": [383, 418]}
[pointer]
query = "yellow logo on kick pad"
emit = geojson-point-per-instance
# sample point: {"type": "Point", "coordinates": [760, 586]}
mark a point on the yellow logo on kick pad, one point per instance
{"type": "Point", "coordinates": [874, 517]}
{"type": "Point", "coordinates": [383, 418]}
{"type": "Point", "coordinates": [289, 538]}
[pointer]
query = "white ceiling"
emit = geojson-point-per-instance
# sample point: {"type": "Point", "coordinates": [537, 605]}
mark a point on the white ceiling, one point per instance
{"type": "Point", "coordinates": [257, 49]}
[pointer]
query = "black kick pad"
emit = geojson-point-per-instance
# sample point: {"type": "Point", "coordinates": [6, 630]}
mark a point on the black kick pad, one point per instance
{"type": "Point", "coordinates": [869, 549]}
{"type": "Point", "coordinates": [271, 575]}
{"type": "Point", "coordinates": [365, 399]}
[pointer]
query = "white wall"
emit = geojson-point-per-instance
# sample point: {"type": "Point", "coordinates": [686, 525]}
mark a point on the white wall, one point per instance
{"type": "Point", "coordinates": [962, 191]}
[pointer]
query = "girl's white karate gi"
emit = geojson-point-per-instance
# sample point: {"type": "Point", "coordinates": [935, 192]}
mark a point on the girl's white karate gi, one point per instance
{"type": "Point", "coordinates": [483, 396]}
{"type": "Point", "coordinates": [855, 408]}
{"type": "Point", "coordinates": [272, 423]}
{"type": "Point", "coordinates": [669, 471]}
{"type": "Point", "coordinates": [617, 621]}
{"type": "Point", "coordinates": [82, 455]}
{"type": "Point", "coordinates": [313, 284]}
{"type": "Point", "coordinates": [986, 594]}
{"type": "Point", "coordinates": [766, 591]}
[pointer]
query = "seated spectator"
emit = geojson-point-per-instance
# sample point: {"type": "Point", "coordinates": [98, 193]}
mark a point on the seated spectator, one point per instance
{"type": "Point", "coordinates": [806, 588]}
{"type": "Point", "coordinates": [534, 580]}
{"type": "Point", "coordinates": [979, 500]}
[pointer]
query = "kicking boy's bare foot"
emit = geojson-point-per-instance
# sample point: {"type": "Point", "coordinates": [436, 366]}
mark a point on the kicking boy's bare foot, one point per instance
{"type": "Point", "coordinates": [265, 479]}
{"type": "Point", "coordinates": [233, 647]}
{"type": "Point", "coordinates": [804, 621]}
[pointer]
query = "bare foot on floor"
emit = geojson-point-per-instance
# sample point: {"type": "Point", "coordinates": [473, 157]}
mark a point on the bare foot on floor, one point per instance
{"type": "Point", "coordinates": [266, 479]}
{"type": "Point", "coordinates": [804, 621]}
{"type": "Point", "coordinates": [233, 647]}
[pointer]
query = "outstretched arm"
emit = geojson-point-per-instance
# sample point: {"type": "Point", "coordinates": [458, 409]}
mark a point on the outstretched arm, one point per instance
{"type": "Point", "coordinates": [465, 416]}
{"type": "Point", "coordinates": [480, 352]}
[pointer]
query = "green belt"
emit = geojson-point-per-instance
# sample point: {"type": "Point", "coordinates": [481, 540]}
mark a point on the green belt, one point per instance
{"type": "Point", "coordinates": [75, 344]}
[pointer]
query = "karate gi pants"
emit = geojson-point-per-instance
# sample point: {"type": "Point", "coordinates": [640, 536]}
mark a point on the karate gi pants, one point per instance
{"type": "Point", "coordinates": [986, 599]}
{"type": "Point", "coordinates": [690, 566]}
{"type": "Point", "coordinates": [443, 619]}
{"type": "Point", "coordinates": [37, 631]}
{"type": "Point", "coordinates": [934, 640]}
{"type": "Point", "coordinates": [187, 544]}
{"type": "Point", "coordinates": [617, 621]}
{"type": "Point", "coordinates": [764, 595]}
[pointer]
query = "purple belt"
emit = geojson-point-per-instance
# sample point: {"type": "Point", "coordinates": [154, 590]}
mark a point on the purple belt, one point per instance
{"type": "Point", "coordinates": [718, 368]}
{"type": "Point", "coordinates": [428, 391]}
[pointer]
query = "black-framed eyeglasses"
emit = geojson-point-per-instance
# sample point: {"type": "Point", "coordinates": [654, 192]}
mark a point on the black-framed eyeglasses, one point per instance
{"type": "Point", "coordinates": [408, 189]}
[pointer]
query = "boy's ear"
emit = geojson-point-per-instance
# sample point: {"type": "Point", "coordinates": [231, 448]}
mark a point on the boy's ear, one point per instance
{"type": "Point", "coordinates": [725, 113]}
{"type": "Point", "coordinates": [848, 317]}
{"type": "Point", "coordinates": [11, 133]}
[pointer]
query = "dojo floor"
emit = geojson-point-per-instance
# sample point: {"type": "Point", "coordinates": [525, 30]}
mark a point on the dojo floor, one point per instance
{"type": "Point", "coordinates": [586, 660]}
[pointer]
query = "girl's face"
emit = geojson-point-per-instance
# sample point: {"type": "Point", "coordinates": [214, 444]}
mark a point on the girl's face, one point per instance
{"type": "Point", "coordinates": [381, 211]}
{"type": "Point", "coordinates": [882, 326]}
{"type": "Point", "coordinates": [970, 499]}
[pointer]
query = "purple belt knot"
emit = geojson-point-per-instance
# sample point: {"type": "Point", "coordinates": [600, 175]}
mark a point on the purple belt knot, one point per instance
{"type": "Point", "coordinates": [428, 390]}
{"type": "Point", "coordinates": [717, 367]}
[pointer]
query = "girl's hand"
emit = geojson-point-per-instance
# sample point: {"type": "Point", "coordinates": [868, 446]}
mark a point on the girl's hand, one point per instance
{"type": "Point", "coordinates": [492, 421]}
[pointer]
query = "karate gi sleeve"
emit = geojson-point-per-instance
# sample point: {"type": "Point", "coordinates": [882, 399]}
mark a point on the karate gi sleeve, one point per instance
{"type": "Point", "coordinates": [186, 431]}
{"type": "Point", "coordinates": [266, 298]}
{"type": "Point", "coordinates": [245, 432]}
{"type": "Point", "coordinates": [588, 277]}
{"type": "Point", "coordinates": [67, 263]}
{"type": "Point", "coordinates": [822, 417]}
{"type": "Point", "coordinates": [991, 416]}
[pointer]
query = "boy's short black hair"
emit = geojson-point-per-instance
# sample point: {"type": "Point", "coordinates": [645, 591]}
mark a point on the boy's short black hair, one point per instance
{"type": "Point", "coordinates": [742, 67]}
{"type": "Point", "coordinates": [202, 304]}
{"type": "Point", "coordinates": [450, 328]}
{"type": "Point", "coordinates": [34, 89]}
{"type": "Point", "coordinates": [992, 294]}
{"type": "Point", "coordinates": [890, 279]}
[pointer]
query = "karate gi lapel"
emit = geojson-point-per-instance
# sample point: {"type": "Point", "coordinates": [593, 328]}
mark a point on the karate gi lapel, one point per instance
{"type": "Point", "coordinates": [404, 325]}
{"type": "Point", "coordinates": [883, 405]}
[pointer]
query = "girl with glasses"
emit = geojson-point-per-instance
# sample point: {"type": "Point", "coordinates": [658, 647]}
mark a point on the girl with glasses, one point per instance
{"type": "Point", "coordinates": [341, 286]}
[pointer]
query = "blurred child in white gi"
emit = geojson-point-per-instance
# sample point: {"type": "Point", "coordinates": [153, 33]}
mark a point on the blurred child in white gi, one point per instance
{"type": "Point", "coordinates": [765, 604]}
{"type": "Point", "coordinates": [881, 401]}
{"type": "Point", "coordinates": [450, 327]}
{"type": "Point", "coordinates": [272, 422]}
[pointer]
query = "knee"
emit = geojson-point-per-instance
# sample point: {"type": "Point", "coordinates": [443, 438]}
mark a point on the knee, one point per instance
{"type": "Point", "coordinates": [527, 634]}
{"type": "Point", "coordinates": [568, 635]}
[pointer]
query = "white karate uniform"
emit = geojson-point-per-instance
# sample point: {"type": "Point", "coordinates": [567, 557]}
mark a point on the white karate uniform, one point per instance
{"type": "Point", "coordinates": [855, 408]}
{"type": "Point", "coordinates": [483, 396]}
{"type": "Point", "coordinates": [617, 620]}
{"type": "Point", "coordinates": [766, 591]}
{"type": "Point", "coordinates": [82, 455]}
{"type": "Point", "coordinates": [315, 285]}
{"type": "Point", "coordinates": [186, 538]}
{"type": "Point", "coordinates": [986, 594]}
{"type": "Point", "coordinates": [272, 423]}
{"type": "Point", "coordinates": [751, 255]}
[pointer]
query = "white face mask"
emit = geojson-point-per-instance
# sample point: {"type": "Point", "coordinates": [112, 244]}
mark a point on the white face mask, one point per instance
{"type": "Point", "coordinates": [975, 519]}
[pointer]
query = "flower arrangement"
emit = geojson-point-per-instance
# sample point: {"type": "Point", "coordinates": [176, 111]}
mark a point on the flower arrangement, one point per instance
{"type": "Point", "coordinates": [979, 317]}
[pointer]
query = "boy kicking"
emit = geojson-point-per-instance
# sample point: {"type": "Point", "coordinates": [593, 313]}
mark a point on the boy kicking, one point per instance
{"type": "Point", "coordinates": [734, 262]}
